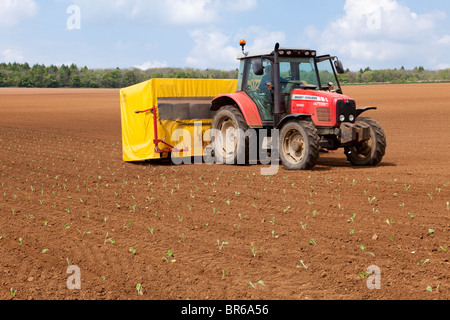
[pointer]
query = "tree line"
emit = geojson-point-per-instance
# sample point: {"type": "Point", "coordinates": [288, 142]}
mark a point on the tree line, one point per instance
{"type": "Point", "coordinates": [40, 76]}
{"type": "Point", "coordinates": [64, 76]}
{"type": "Point", "coordinates": [418, 74]}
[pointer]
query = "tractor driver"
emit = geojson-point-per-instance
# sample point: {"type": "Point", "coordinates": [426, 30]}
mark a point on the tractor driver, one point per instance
{"type": "Point", "coordinates": [268, 76]}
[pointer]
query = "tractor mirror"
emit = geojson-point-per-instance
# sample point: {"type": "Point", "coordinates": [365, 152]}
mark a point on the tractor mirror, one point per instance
{"type": "Point", "coordinates": [258, 68]}
{"type": "Point", "coordinates": [339, 67]}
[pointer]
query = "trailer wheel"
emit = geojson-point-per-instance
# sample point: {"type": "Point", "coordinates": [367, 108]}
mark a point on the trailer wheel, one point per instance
{"type": "Point", "coordinates": [299, 145]}
{"type": "Point", "coordinates": [229, 137]}
{"type": "Point", "coordinates": [371, 152]}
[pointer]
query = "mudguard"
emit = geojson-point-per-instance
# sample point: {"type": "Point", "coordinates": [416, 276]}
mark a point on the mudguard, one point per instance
{"type": "Point", "coordinates": [362, 110]}
{"type": "Point", "coordinates": [245, 105]}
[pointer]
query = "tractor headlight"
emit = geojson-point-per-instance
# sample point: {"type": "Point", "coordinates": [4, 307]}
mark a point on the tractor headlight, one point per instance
{"type": "Point", "coordinates": [351, 118]}
{"type": "Point", "coordinates": [342, 118]}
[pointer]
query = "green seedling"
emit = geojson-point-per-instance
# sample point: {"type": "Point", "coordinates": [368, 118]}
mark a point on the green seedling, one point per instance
{"type": "Point", "coordinates": [312, 242]}
{"type": "Point", "coordinates": [274, 235]}
{"type": "Point", "coordinates": [422, 263]}
{"type": "Point", "coordinates": [363, 248]}
{"type": "Point", "coordinates": [224, 273]}
{"type": "Point", "coordinates": [132, 250]}
{"type": "Point", "coordinates": [410, 214]}
{"type": "Point", "coordinates": [285, 210]}
{"type": "Point", "coordinates": [448, 206]}
{"type": "Point", "coordinates": [13, 292]}
{"type": "Point", "coordinates": [364, 274]}
{"type": "Point", "coordinates": [406, 186]}
{"type": "Point", "coordinates": [303, 265]}
{"type": "Point", "coordinates": [109, 239]}
{"type": "Point", "coordinates": [241, 216]}
{"type": "Point", "coordinates": [139, 289]}
{"type": "Point", "coordinates": [254, 252]}
{"type": "Point", "coordinates": [45, 251]}
{"type": "Point", "coordinates": [390, 222]}
{"type": "Point", "coordinates": [371, 200]}
{"type": "Point", "coordinates": [152, 231]}
{"type": "Point", "coordinates": [250, 284]}
{"type": "Point", "coordinates": [303, 225]}
{"type": "Point", "coordinates": [168, 257]}
{"type": "Point", "coordinates": [431, 230]}
{"type": "Point", "coordinates": [443, 248]}
{"type": "Point", "coordinates": [221, 245]}
{"type": "Point", "coordinates": [352, 218]}
{"type": "Point", "coordinates": [430, 195]}
{"type": "Point", "coordinates": [272, 221]}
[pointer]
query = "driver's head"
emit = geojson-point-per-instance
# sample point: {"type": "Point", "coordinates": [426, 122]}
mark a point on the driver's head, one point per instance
{"type": "Point", "coordinates": [268, 70]}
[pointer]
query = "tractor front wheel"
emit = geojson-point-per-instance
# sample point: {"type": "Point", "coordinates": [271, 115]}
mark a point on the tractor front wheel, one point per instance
{"type": "Point", "coordinates": [299, 145]}
{"type": "Point", "coordinates": [370, 152]}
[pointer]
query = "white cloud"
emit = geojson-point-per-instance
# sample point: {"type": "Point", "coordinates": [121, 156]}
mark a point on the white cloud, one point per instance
{"type": "Point", "coordinates": [445, 40]}
{"type": "Point", "coordinates": [166, 12]}
{"type": "Point", "coordinates": [219, 50]}
{"type": "Point", "coordinates": [151, 64]}
{"type": "Point", "coordinates": [181, 12]}
{"type": "Point", "coordinates": [211, 50]}
{"type": "Point", "coordinates": [12, 55]}
{"type": "Point", "coordinates": [259, 38]}
{"type": "Point", "coordinates": [13, 11]}
{"type": "Point", "coordinates": [380, 32]}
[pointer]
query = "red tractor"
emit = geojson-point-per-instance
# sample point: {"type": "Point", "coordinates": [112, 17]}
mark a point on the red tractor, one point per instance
{"type": "Point", "coordinates": [297, 93]}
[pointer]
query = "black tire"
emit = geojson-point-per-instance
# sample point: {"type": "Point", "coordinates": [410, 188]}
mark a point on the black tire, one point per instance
{"type": "Point", "coordinates": [299, 145]}
{"type": "Point", "coordinates": [371, 152]}
{"type": "Point", "coordinates": [232, 128]}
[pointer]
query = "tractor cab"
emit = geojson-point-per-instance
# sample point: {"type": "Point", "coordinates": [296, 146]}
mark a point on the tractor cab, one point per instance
{"type": "Point", "coordinates": [263, 72]}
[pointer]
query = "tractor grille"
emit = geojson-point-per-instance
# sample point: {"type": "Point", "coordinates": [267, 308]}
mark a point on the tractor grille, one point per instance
{"type": "Point", "coordinates": [346, 109]}
{"type": "Point", "coordinates": [324, 114]}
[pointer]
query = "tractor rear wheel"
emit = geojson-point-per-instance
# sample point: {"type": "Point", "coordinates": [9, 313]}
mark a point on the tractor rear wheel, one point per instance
{"type": "Point", "coordinates": [229, 138]}
{"type": "Point", "coordinates": [299, 145]}
{"type": "Point", "coordinates": [370, 152]}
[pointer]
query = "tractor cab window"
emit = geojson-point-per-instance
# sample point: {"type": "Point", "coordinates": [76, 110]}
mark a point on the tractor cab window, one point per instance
{"type": "Point", "coordinates": [327, 75]}
{"type": "Point", "coordinates": [297, 72]}
{"type": "Point", "coordinates": [257, 89]}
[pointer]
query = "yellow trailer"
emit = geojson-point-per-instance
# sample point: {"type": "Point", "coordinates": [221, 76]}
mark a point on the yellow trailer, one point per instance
{"type": "Point", "coordinates": [152, 111]}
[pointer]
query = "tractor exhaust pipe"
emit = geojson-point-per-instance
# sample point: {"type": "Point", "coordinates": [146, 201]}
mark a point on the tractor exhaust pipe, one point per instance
{"type": "Point", "coordinates": [277, 112]}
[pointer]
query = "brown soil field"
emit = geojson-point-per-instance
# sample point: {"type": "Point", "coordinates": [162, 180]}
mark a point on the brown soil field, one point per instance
{"type": "Point", "coordinates": [68, 199]}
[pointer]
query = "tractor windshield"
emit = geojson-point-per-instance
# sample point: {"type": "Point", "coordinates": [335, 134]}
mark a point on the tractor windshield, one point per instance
{"type": "Point", "coordinates": [304, 72]}
{"type": "Point", "coordinates": [297, 71]}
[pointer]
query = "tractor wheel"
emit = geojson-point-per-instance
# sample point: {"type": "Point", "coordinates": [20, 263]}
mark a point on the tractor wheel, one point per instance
{"type": "Point", "coordinates": [299, 145]}
{"type": "Point", "coordinates": [370, 152]}
{"type": "Point", "coordinates": [229, 139]}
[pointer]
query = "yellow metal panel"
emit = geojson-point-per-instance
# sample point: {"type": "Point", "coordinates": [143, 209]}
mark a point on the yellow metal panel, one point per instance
{"type": "Point", "coordinates": [137, 129]}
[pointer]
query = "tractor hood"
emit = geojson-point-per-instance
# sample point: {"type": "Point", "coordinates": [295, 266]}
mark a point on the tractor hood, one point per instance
{"type": "Point", "coordinates": [317, 96]}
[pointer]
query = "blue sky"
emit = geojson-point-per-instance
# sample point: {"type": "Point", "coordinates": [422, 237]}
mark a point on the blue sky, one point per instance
{"type": "Point", "coordinates": [206, 33]}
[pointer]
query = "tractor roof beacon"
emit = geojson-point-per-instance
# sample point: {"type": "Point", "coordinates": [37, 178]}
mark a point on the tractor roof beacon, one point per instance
{"type": "Point", "coordinates": [297, 92]}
